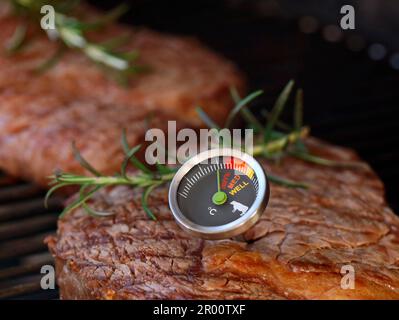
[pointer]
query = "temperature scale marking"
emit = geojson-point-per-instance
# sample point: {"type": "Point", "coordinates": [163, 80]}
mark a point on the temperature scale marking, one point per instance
{"type": "Point", "coordinates": [223, 188]}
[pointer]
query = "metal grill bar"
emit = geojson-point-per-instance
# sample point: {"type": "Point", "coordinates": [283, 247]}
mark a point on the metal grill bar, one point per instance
{"type": "Point", "coordinates": [26, 226]}
{"type": "Point", "coordinates": [19, 191]}
{"type": "Point", "coordinates": [28, 286]}
{"type": "Point", "coordinates": [24, 223]}
{"type": "Point", "coordinates": [26, 208]}
{"type": "Point", "coordinates": [22, 246]}
{"type": "Point", "coordinates": [24, 269]}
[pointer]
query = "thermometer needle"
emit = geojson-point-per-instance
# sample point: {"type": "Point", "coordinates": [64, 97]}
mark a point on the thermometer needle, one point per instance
{"type": "Point", "coordinates": [219, 197]}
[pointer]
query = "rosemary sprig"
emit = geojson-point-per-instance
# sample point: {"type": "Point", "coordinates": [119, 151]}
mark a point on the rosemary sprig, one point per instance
{"type": "Point", "coordinates": [277, 110]}
{"type": "Point", "coordinates": [130, 157]}
{"type": "Point", "coordinates": [16, 42]}
{"type": "Point", "coordinates": [325, 162]}
{"type": "Point", "coordinates": [89, 185]}
{"type": "Point", "coordinates": [274, 144]}
{"type": "Point", "coordinates": [52, 61]}
{"type": "Point", "coordinates": [298, 112]}
{"type": "Point", "coordinates": [278, 139]}
{"type": "Point", "coordinates": [206, 119]}
{"type": "Point", "coordinates": [286, 182]}
{"type": "Point", "coordinates": [281, 143]}
{"type": "Point", "coordinates": [71, 32]}
{"type": "Point", "coordinates": [247, 115]}
{"type": "Point", "coordinates": [239, 107]}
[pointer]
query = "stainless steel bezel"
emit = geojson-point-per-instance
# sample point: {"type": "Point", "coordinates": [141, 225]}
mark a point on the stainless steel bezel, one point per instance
{"type": "Point", "coordinates": [235, 227]}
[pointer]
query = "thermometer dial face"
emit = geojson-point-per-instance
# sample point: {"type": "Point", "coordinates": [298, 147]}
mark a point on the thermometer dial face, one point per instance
{"type": "Point", "coordinates": [219, 193]}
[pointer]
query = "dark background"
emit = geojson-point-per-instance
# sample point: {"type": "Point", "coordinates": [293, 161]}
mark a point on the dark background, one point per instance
{"type": "Point", "coordinates": [349, 77]}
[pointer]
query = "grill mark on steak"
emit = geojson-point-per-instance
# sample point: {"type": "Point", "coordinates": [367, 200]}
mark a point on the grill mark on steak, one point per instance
{"type": "Point", "coordinates": [295, 251]}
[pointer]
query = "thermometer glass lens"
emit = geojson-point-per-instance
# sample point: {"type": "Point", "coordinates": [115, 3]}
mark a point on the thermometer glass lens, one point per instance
{"type": "Point", "coordinates": [217, 191]}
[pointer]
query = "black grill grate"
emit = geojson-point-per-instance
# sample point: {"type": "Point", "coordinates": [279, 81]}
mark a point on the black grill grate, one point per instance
{"type": "Point", "coordinates": [24, 223]}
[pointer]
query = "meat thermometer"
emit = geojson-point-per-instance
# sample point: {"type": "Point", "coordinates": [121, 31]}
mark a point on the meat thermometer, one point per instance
{"type": "Point", "coordinates": [218, 193]}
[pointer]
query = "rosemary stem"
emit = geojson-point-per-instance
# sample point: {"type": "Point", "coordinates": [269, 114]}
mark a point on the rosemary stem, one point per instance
{"type": "Point", "coordinates": [71, 31]}
{"type": "Point", "coordinates": [327, 162]}
{"type": "Point", "coordinates": [135, 180]}
{"type": "Point", "coordinates": [281, 143]}
{"type": "Point", "coordinates": [287, 183]}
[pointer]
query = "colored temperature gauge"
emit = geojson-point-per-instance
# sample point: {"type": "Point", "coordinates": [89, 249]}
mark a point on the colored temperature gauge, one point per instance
{"type": "Point", "coordinates": [219, 193]}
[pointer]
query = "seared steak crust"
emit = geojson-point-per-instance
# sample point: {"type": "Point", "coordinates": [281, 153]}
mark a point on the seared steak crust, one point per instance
{"type": "Point", "coordinates": [295, 251]}
{"type": "Point", "coordinates": [182, 72]}
{"type": "Point", "coordinates": [40, 114]}
{"type": "Point", "coordinates": [36, 138]}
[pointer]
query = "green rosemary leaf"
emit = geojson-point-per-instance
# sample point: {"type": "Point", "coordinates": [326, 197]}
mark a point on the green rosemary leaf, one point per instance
{"type": "Point", "coordinates": [286, 182]}
{"type": "Point", "coordinates": [162, 169]}
{"type": "Point", "coordinates": [279, 144]}
{"type": "Point", "coordinates": [146, 182]}
{"type": "Point", "coordinates": [82, 161]}
{"type": "Point", "coordinates": [69, 33]}
{"type": "Point", "coordinates": [239, 106]}
{"type": "Point", "coordinates": [122, 77]}
{"type": "Point", "coordinates": [82, 190]}
{"type": "Point", "coordinates": [109, 17]}
{"type": "Point", "coordinates": [235, 95]}
{"type": "Point", "coordinates": [116, 42]}
{"type": "Point", "coordinates": [76, 179]}
{"type": "Point", "coordinates": [248, 116]}
{"type": "Point", "coordinates": [114, 14]}
{"type": "Point", "coordinates": [326, 162]}
{"type": "Point", "coordinates": [206, 119]}
{"type": "Point", "coordinates": [96, 213]}
{"type": "Point", "coordinates": [277, 135]}
{"type": "Point", "coordinates": [144, 201]}
{"type": "Point", "coordinates": [49, 63]}
{"type": "Point", "coordinates": [138, 69]}
{"type": "Point", "coordinates": [17, 40]}
{"type": "Point", "coordinates": [67, 6]}
{"type": "Point", "coordinates": [252, 121]}
{"type": "Point", "coordinates": [101, 55]}
{"type": "Point", "coordinates": [279, 124]}
{"type": "Point", "coordinates": [52, 190]}
{"type": "Point", "coordinates": [135, 162]}
{"type": "Point", "coordinates": [298, 111]}
{"type": "Point", "coordinates": [127, 159]}
{"type": "Point", "coordinates": [23, 6]}
{"type": "Point", "coordinates": [82, 199]}
{"type": "Point", "coordinates": [129, 56]}
{"type": "Point", "coordinates": [277, 109]}
{"type": "Point", "coordinates": [299, 146]}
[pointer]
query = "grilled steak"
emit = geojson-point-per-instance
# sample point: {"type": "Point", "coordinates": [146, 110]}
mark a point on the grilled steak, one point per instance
{"type": "Point", "coordinates": [39, 135]}
{"type": "Point", "coordinates": [295, 251]}
{"type": "Point", "coordinates": [41, 113]}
